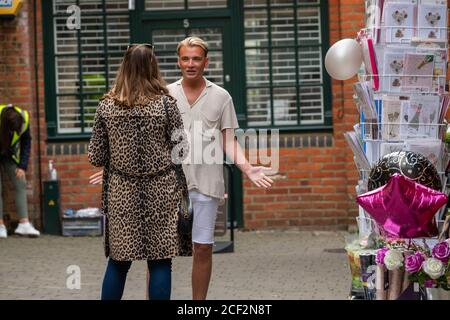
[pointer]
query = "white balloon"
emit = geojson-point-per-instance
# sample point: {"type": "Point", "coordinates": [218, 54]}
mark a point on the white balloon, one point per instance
{"type": "Point", "coordinates": [343, 59]}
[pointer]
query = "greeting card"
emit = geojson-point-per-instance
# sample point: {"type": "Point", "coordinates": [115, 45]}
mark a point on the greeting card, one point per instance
{"type": "Point", "coordinates": [373, 17]}
{"type": "Point", "coordinates": [421, 117]}
{"type": "Point", "coordinates": [389, 147]}
{"type": "Point", "coordinates": [393, 66]}
{"type": "Point", "coordinates": [398, 22]}
{"type": "Point", "coordinates": [418, 72]}
{"type": "Point", "coordinates": [432, 21]}
{"type": "Point", "coordinates": [437, 47]}
{"type": "Point", "coordinates": [390, 118]}
{"type": "Point", "coordinates": [429, 148]}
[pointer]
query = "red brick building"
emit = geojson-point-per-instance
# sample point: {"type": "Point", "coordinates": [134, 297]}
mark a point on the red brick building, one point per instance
{"type": "Point", "coordinates": [315, 185]}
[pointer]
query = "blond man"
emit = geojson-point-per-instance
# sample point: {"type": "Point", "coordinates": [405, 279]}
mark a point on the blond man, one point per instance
{"type": "Point", "coordinates": [205, 105]}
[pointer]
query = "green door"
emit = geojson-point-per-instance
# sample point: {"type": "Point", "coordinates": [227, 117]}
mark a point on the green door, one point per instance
{"type": "Point", "coordinates": [165, 35]}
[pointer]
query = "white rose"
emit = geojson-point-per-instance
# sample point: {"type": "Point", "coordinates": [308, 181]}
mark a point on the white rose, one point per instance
{"type": "Point", "coordinates": [393, 259]}
{"type": "Point", "coordinates": [434, 268]}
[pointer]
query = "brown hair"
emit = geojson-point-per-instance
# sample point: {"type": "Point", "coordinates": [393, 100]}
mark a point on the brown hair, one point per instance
{"type": "Point", "coordinates": [138, 76]}
{"type": "Point", "coordinates": [11, 121]}
{"type": "Point", "coordinates": [193, 42]}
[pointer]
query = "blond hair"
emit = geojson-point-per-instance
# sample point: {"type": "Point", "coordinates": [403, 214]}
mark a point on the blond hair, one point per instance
{"type": "Point", "coordinates": [193, 42]}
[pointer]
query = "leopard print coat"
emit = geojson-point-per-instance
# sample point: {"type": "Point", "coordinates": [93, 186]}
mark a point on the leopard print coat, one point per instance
{"type": "Point", "coordinates": [141, 194]}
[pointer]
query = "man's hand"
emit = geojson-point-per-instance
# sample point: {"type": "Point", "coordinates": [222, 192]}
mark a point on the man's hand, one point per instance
{"type": "Point", "coordinates": [96, 178]}
{"type": "Point", "coordinates": [258, 176]}
{"type": "Point", "coordinates": [20, 174]}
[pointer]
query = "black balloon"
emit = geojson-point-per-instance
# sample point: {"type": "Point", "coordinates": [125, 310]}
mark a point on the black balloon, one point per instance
{"type": "Point", "coordinates": [410, 164]}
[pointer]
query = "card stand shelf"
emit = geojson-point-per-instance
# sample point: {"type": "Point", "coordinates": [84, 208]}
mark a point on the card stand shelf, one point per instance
{"type": "Point", "coordinates": [376, 130]}
{"type": "Point", "coordinates": [439, 35]}
{"type": "Point", "coordinates": [400, 132]}
{"type": "Point", "coordinates": [438, 83]}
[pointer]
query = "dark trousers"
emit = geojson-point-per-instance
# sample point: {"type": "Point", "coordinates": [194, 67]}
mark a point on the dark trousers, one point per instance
{"type": "Point", "coordinates": [116, 275]}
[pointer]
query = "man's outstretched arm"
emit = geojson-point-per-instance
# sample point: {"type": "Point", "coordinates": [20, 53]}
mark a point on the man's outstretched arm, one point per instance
{"type": "Point", "coordinates": [256, 174]}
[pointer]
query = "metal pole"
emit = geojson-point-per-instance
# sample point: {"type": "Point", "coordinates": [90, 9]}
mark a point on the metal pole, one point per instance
{"type": "Point", "coordinates": [230, 200]}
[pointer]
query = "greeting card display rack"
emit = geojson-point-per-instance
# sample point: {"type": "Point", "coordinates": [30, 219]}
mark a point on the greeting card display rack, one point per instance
{"type": "Point", "coordinates": [402, 97]}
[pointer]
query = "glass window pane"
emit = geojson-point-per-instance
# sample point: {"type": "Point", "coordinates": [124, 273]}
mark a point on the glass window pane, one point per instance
{"type": "Point", "coordinates": [282, 27]}
{"type": "Point", "coordinates": [283, 66]}
{"type": "Point", "coordinates": [164, 4]}
{"type": "Point", "coordinates": [308, 28]}
{"type": "Point", "coordinates": [308, 1]}
{"type": "Point", "coordinates": [310, 65]}
{"type": "Point", "coordinates": [60, 6]}
{"type": "Point", "coordinates": [92, 37]}
{"type": "Point", "coordinates": [213, 36]}
{"type": "Point", "coordinates": [65, 39]}
{"type": "Point", "coordinates": [285, 106]}
{"type": "Point", "coordinates": [291, 60]}
{"type": "Point", "coordinates": [116, 6]}
{"type": "Point", "coordinates": [67, 74]}
{"type": "Point", "coordinates": [118, 33]}
{"type": "Point", "coordinates": [258, 107]}
{"type": "Point", "coordinates": [95, 68]}
{"type": "Point", "coordinates": [275, 3]}
{"type": "Point", "coordinates": [257, 67]}
{"type": "Point", "coordinates": [255, 3]}
{"type": "Point", "coordinates": [90, 6]}
{"type": "Point", "coordinates": [214, 72]}
{"type": "Point", "coordinates": [311, 105]}
{"type": "Point", "coordinates": [167, 40]}
{"type": "Point", "coordinates": [93, 73]}
{"type": "Point", "coordinates": [68, 114]}
{"type": "Point", "coordinates": [90, 104]}
{"type": "Point", "coordinates": [256, 31]}
{"type": "Point", "coordinates": [113, 67]}
{"type": "Point", "coordinates": [168, 67]}
{"type": "Point", "coordinates": [206, 4]}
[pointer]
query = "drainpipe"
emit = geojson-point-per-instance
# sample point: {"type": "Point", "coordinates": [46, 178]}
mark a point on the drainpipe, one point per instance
{"type": "Point", "coordinates": [341, 111]}
{"type": "Point", "coordinates": [36, 83]}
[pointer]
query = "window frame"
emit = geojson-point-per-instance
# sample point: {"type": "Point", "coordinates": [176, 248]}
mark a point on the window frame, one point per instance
{"type": "Point", "coordinates": [326, 80]}
{"type": "Point", "coordinates": [50, 58]}
{"type": "Point", "coordinates": [237, 12]}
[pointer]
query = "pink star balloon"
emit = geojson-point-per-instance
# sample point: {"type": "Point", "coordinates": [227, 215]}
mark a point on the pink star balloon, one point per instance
{"type": "Point", "coordinates": [404, 208]}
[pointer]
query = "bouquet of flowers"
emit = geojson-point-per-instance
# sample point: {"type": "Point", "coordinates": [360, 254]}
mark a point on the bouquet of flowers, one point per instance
{"type": "Point", "coordinates": [428, 267]}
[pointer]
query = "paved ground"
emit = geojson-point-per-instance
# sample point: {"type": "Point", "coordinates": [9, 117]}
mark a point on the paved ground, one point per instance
{"type": "Point", "coordinates": [268, 265]}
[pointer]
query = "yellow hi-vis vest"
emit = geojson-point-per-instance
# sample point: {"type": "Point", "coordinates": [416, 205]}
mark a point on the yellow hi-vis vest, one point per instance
{"type": "Point", "coordinates": [16, 136]}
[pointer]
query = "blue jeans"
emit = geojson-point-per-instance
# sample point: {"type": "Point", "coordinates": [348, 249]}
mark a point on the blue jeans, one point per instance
{"type": "Point", "coordinates": [116, 274]}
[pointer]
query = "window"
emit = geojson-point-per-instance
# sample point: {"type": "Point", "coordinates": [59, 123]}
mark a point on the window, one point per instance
{"type": "Point", "coordinates": [284, 45]}
{"type": "Point", "coordinates": [184, 4]}
{"type": "Point", "coordinates": [84, 60]}
{"type": "Point", "coordinates": [166, 41]}
{"type": "Point", "coordinates": [286, 85]}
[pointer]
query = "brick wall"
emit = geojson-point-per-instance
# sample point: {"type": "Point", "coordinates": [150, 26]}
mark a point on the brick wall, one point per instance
{"type": "Point", "coordinates": [315, 186]}
{"type": "Point", "coordinates": [17, 86]}
{"type": "Point", "coordinates": [73, 167]}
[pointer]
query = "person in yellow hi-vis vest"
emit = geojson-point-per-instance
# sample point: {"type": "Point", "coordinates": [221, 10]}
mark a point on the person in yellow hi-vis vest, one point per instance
{"type": "Point", "coordinates": [15, 146]}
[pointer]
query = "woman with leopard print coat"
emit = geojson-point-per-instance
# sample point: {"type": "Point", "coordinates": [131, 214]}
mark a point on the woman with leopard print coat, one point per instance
{"type": "Point", "coordinates": [141, 190]}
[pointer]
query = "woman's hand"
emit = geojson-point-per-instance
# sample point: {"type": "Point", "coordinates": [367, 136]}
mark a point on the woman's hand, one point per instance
{"type": "Point", "coordinates": [96, 178]}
